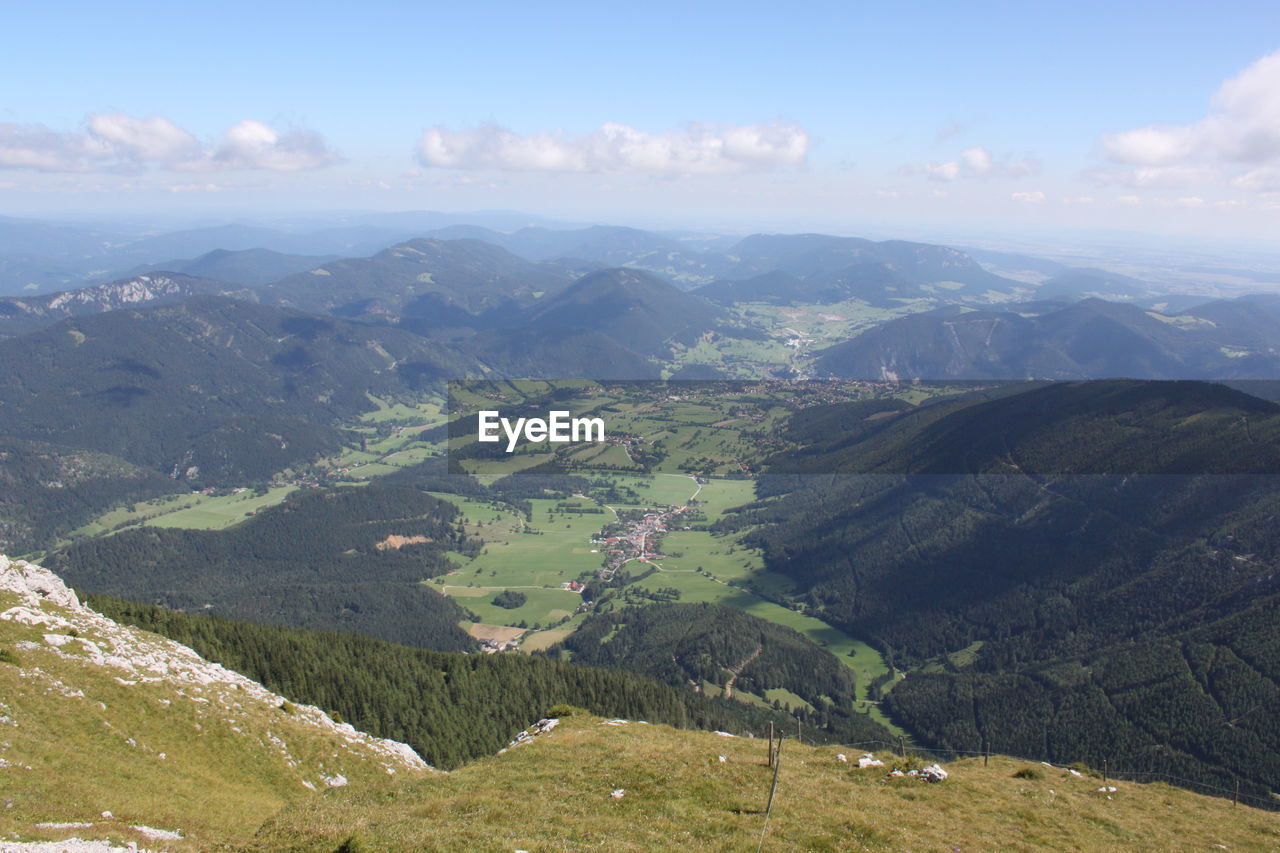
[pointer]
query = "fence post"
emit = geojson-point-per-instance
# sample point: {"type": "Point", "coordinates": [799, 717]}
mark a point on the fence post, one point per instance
{"type": "Point", "coordinates": [1235, 800]}
{"type": "Point", "coordinates": [986, 753]}
{"type": "Point", "coordinates": [902, 746]}
{"type": "Point", "coordinates": [773, 790]}
{"type": "Point", "coordinates": [1104, 770]}
{"type": "Point", "coordinates": [771, 743]}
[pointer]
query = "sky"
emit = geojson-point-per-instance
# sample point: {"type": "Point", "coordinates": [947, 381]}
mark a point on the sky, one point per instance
{"type": "Point", "coordinates": [1158, 118]}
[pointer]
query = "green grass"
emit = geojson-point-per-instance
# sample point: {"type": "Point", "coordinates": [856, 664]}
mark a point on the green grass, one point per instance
{"type": "Point", "coordinates": [173, 755]}
{"type": "Point", "coordinates": [535, 557]}
{"type": "Point", "coordinates": [219, 513]}
{"type": "Point", "coordinates": [554, 794]}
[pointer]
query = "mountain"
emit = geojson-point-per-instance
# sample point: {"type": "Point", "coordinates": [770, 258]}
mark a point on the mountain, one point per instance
{"type": "Point", "coordinates": [1104, 549]}
{"type": "Point", "coordinates": [1249, 324]}
{"type": "Point", "coordinates": [876, 284]}
{"type": "Point", "coordinates": [1080, 282]}
{"type": "Point", "coordinates": [210, 390]}
{"type": "Point", "coordinates": [325, 559]}
{"type": "Point", "coordinates": [34, 237]}
{"type": "Point", "coordinates": [429, 282]}
{"type": "Point", "coordinates": [1090, 339]}
{"type": "Point", "coordinates": [24, 314]}
{"type": "Point", "coordinates": [807, 255]}
{"type": "Point", "coordinates": [112, 732]}
{"type": "Point", "coordinates": [46, 491]}
{"type": "Point", "coordinates": [611, 324]}
{"type": "Point", "coordinates": [248, 267]}
{"type": "Point", "coordinates": [614, 246]}
{"type": "Point", "coordinates": [723, 651]}
{"type": "Point", "coordinates": [190, 243]}
{"type": "Point", "coordinates": [637, 309]}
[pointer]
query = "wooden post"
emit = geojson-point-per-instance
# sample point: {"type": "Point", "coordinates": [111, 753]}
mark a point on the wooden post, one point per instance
{"type": "Point", "coordinates": [798, 738]}
{"type": "Point", "coordinates": [902, 746]}
{"type": "Point", "coordinates": [986, 753]}
{"type": "Point", "coordinates": [773, 790]}
{"type": "Point", "coordinates": [1104, 770]}
{"type": "Point", "coordinates": [770, 743]}
{"type": "Point", "coordinates": [1235, 800]}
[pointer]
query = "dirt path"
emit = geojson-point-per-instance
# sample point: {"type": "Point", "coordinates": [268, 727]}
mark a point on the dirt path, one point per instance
{"type": "Point", "coordinates": [737, 670]}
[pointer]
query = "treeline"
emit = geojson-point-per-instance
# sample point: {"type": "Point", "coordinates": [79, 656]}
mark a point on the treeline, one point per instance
{"type": "Point", "coordinates": [451, 708]}
{"type": "Point", "coordinates": [689, 644]}
{"type": "Point", "coordinates": [343, 559]}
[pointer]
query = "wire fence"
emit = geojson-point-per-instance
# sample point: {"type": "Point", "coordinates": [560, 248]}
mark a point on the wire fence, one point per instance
{"type": "Point", "coordinates": [901, 747]}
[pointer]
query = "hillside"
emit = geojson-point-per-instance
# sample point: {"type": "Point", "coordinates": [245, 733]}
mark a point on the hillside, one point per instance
{"type": "Point", "coordinates": [430, 282]}
{"type": "Point", "coordinates": [699, 791]}
{"type": "Point", "coordinates": [637, 309]}
{"type": "Point", "coordinates": [868, 264]}
{"type": "Point", "coordinates": [322, 559]}
{"type": "Point", "coordinates": [248, 267]}
{"type": "Point", "coordinates": [111, 732]}
{"type": "Point", "coordinates": [19, 315]}
{"type": "Point", "coordinates": [1092, 339]}
{"type": "Point", "coordinates": [1110, 542]}
{"type": "Point", "coordinates": [609, 246]}
{"type": "Point", "coordinates": [119, 735]}
{"type": "Point", "coordinates": [210, 390]}
{"type": "Point", "coordinates": [722, 651]}
{"type": "Point", "coordinates": [46, 491]}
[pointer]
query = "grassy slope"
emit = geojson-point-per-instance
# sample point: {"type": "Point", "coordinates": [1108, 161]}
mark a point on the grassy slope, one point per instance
{"type": "Point", "coordinates": [198, 759]}
{"type": "Point", "coordinates": [554, 794]}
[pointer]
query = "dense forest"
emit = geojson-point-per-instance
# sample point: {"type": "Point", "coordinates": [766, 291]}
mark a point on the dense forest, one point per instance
{"type": "Point", "coordinates": [211, 391]}
{"type": "Point", "coordinates": [344, 559]}
{"type": "Point", "coordinates": [693, 644]}
{"type": "Point", "coordinates": [449, 707]}
{"type": "Point", "coordinates": [46, 491]}
{"type": "Point", "coordinates": [1062, 607]}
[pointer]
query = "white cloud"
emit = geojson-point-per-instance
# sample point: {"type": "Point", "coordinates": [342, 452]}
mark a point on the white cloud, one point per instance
{"type": "Point", "coordinates": [119, 142]}
{"type": "Point", "coordinates": [142, 140]}
{"type": "Point", "coordinates": [252, 145]}
{"type": "Point", "coordinates": [1130, 200]}
{"type": "Point", "coordinates": [1035, 197]}
{"type": "Point", "coordinates": [1238, 139]}
{"type": "Point", "coordinates": [975, 162]}
{"type": "Point", "coordinates": [615, 148]}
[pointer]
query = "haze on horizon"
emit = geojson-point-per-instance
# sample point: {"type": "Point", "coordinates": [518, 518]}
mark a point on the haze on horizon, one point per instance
{"type": "Point", "coordinates": [1161, 120]}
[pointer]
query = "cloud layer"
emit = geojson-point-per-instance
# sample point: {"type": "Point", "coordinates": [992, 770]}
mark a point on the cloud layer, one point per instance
{"type": "Point", "coordinates": [1238, 139]}
{"type": "Point", "coordinates": [617, 148]}
{"type": "Point", "coordinates": [975, 162]}
{"type": "Point", "coordinates": [119, 142]}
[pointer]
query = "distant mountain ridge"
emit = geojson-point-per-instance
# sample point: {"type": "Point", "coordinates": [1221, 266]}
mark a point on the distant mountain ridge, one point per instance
{"type": "Point", "coordinates": [248, 267]}
{"type": "Point", "coordinates": [1092, 339]}
{"type": "Point", "coordinates": [19, 315]}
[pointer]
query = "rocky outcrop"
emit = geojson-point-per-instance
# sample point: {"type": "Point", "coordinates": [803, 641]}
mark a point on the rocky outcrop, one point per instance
{"type": "Point", "coordinates": [76, 633]}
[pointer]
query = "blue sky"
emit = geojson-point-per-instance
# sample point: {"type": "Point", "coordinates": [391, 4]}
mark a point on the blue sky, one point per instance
{"type": "Point", "coordinates": [812, 114]}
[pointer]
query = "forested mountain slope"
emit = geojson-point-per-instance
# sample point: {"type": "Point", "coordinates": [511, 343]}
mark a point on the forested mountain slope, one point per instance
{"type": "Point", "coordinates": [1079, 523]}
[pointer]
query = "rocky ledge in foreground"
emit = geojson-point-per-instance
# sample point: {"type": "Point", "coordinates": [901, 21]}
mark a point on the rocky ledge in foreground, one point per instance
{"type": "Point", "coordinates": [109, 732]}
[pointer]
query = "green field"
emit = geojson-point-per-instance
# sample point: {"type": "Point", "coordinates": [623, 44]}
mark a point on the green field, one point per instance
{"type": "Point", "coordinates": [191, 511]}
{"type": "Point", "coordinates": [222, 512]}
{"type": "Point", "coordinates": [534, 556]}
